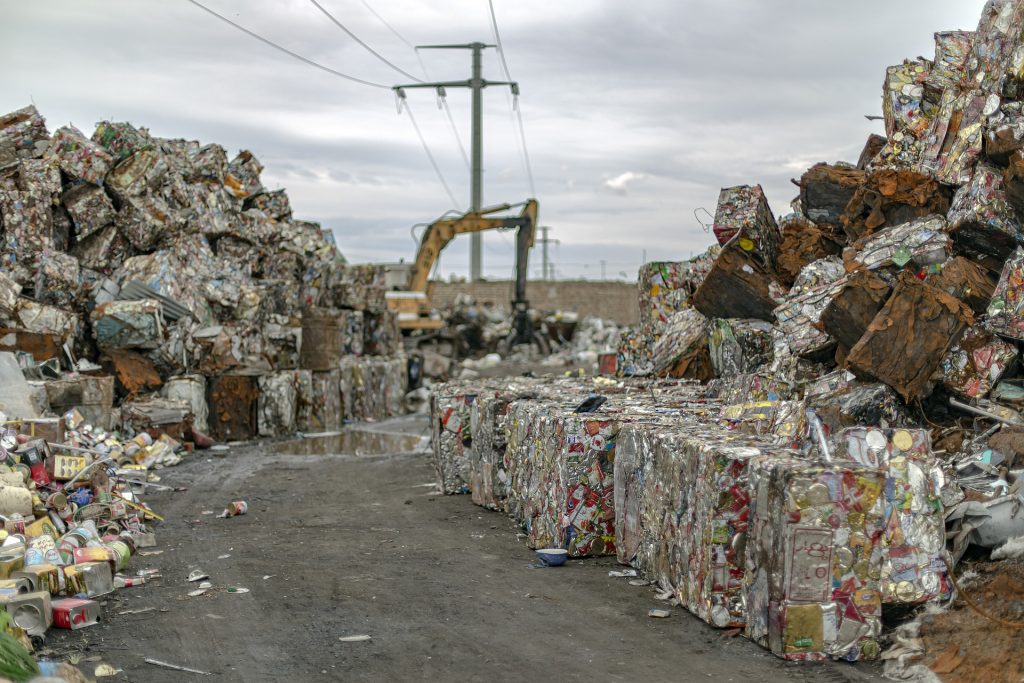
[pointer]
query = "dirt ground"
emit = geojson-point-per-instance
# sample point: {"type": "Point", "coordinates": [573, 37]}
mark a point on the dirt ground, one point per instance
{"type": "Point", "coordinates": [346, 545]}
{"type": "Point", "coordinates": [964, 647]}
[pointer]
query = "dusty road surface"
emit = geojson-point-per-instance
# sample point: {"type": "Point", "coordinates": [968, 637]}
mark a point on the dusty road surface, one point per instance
{"type": "Point", "coordinates": [346, 545]}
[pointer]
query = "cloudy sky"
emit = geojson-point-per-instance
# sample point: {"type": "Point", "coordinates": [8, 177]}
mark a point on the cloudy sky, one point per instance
{"type": "Point", "coordinates": [636, 113]}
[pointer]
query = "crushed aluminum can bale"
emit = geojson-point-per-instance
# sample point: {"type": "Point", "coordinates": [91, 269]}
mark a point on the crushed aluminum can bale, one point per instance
{"type": "Point", "coordinates": [25, 130]}
{"type": "Point", "coordinates": [799, 319]}
{"type": "Point", "coordinates": [277, 404]}
{"type": "Point", "coordinates": [275, 204]}
{"type": "Point", "coordinates": [813, 560]}
{"type": "Point", "coordinates": [90, 208]}
{"type": "Point", "coordinates": [922, 243]}
{"type": "Point", "coordinates": [129, 324]}
{"type": "Point", "coordinates": [192, 389]}
{"type": "Point", "coordinates": [141, 171]}
{"type": "Point", "coordinates": [744, 218]}
{"type": "Point", "coordinates": [243, 177]}
{"type": "Point", "coordinates": [682, 349]}
{"type": "Point", "coordinates": [818, 273]}
{"type": "Point", "coordinates": [914, 536]}
{"type": "Point", "coordinates": [977, 362]}
{"type": "Point", "coordinates": [981, 219]}
{"type": "Point", "coordinates": [78, 156]}
{"type": "Point", "coordinates": [739, 346]}
{"type": "Point", "coordinates": [1006, 310]}
{"type": "Point", "coordinates": [121, 140]}
{"type": "Point", "coordinates": [667, 286]}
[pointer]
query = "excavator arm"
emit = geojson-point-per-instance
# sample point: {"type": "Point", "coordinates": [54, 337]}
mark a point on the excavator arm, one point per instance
{"type": "Point", "coordinates": [439, 233]}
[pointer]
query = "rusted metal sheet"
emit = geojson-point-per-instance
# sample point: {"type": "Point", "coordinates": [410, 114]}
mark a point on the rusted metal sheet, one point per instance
{"type": "Point", "coordinates": [43, 347]}
{"type": "Point", "coordinates": [134, 371]}
{"type": "Point", "coordinates": [233, 402]}
{"type": "Point", "coordinates": [321, 340]}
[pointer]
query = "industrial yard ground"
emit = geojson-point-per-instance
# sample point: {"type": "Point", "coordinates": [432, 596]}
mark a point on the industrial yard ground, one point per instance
{"type": "Point", "coordinates": [341, 545]}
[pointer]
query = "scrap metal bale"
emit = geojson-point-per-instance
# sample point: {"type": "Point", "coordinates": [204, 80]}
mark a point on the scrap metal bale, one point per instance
{"type": "Point", "coordinates": [977, 362]}
{"type": "Point", "coordinates": [872, 147]}
{"type": "Point", "coordinates": [58, 280]}
{"type": "Point", "coordinates": [143, 171]}
{"type": "Point", "coordinates": [91, 396]}
{"type": "Point", "coordinates": [981, 219]}
{"type": "Point", "coordinates": [737, 286]}
{"type": "Point", "coordinates": [854, 306]}
{"type": "Point", "coordinates": [803, 243]}
{"type": "Point", "coordinates": [967, 281]}
{"type": "Point", "coordinates": [825, 191]}
{"type": "Point", "coordinates": [129, 324]}
{"type": "Point", "coordinates": [905, 343]}
{"type": "Point", "coordinates": [233, 405]}
{"type": "Point", "coordinates": [190, 389]}
{"type": "Point", "coordinates": [121, 140]}
{"type": "Point", "coordinates": [89, 207]}
{"type": "Point", "coordinates": [914, 536]}
{"type": "Point", "coordinates": [811, 583]}
{"type": "Point", "coordinates": [277, 404]}
{"type": "Point", "coordinates": [243, 178]}
{"type": "Point", "coordinates": [744, 218]}
{"type": "Point", "coordinates": [78, 156]}
{"type": "Point", "coordinates": [920, 243]}
{"type": "Point", "coordinates": [891, 197]}
{"type": "Point", "coordinates": [275, 204]}
{"type": "Point", "coordinates": [682, 350]}
{"type": "Point", "coordinates": [1006, 310]}
{"type": "Point", "coordinates": [25, 130]}
{"type": "Point", "coordinates": [739, 346]}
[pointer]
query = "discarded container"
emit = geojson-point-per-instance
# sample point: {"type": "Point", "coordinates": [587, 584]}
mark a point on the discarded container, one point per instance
{"type": "Point", "coordinates": [75, 613]}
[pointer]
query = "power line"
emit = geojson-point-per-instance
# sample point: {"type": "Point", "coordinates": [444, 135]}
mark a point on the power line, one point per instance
{"type": "Point", "coordinates": [286, 50]}
{"type": "Point", "coordinates": [423, 141]}
{"type": "Point", "coordinates": [515, 103]}
{"type": "Point", "coordinates": [455, 130]}
{"type": "Point", "coordinates": [389, 26]}
{"type": "Point", "coordinates": [361, 42]}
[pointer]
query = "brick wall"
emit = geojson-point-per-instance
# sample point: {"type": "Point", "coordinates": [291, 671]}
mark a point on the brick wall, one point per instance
{"type": "Point", "coordinates": [610, 300]}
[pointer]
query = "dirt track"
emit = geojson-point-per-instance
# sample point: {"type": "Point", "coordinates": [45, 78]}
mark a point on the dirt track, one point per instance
{"type": "Point", "coordinates": [343, 545]}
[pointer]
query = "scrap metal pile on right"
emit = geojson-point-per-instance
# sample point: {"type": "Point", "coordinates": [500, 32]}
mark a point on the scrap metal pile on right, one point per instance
{"type": "Point", "coordinates": [821, 414]}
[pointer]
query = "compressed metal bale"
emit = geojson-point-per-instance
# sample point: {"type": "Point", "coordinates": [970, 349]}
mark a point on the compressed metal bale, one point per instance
{"type": "Point", "coordinates": [192, 390]}
{"type": "Point", "coordinates": [977, 362]}
{"type": "Point", "coordinates": [914, 532]}
{"type": "Point", "coordinates": [907, 340]}
{"type": "Point", "coordinates": [1006, 310]}
{"type": "Point", "coordinates": [277, 404]}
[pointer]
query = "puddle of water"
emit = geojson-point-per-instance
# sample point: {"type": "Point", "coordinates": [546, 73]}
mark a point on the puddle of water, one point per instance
{"type": "Point", "coordinates": [353, 443]}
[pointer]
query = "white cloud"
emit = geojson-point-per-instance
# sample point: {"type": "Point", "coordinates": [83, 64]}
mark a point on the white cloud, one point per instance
{"type": "Point", "coordinates": [620, 183]}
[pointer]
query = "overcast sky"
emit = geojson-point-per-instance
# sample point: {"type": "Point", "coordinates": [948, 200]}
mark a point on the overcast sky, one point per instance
{"type": "Point", "coordinates": [636, 113]}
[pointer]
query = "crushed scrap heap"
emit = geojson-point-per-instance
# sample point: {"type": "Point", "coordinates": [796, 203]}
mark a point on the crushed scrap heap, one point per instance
{"type": "Point", "coordinates": [171, 269]}
{"type": "Point", "coordinates": [808, 409]}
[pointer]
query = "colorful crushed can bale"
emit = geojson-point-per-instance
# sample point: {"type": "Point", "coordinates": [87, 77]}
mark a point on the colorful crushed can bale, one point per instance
{"type": "Point", "coordinates": [1006, 310]}
{"type": "Point", "coordinates": [814, 559]}
{"type": "Point", "coordinates": [914, 531]}
{"type": "Point", "coordinates": [977, 362]}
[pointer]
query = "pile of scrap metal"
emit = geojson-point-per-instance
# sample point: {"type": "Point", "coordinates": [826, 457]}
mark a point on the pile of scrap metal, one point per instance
{"type": "Point", "coordinates": [155, 284]}
{"type": "Point", "coordinates": [808, 409]}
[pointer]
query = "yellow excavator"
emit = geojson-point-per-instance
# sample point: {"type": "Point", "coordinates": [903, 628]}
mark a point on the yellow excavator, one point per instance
{"type": "Point", "coordinates": [412, 304]}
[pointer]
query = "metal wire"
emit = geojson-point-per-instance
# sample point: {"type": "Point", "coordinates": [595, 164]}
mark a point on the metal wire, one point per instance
{"type": "Point", "coordinates": [426, 148]}
{"type": "Point", "coordinates": [286, 51]}
{"type": "Point", "coordinates": [356, 38]}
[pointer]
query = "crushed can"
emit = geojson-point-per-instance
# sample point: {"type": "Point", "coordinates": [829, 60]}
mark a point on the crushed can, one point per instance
{"type": "Point", "coordinates": [122, 581]}
{"type": "Point", "coordinates": [15, 585]}
{"type": "Point", "coordinates": [31, 612]}
{"type": "Point", "coordinates": [42, 577]}
{"type": "Point", "coordinates": [75, 613]}
{"type": "Point", "coordinates": [91, 579]}
{"type": "Point", "coordinates": [11, 562]}
{"type": "Point", "coordinates": [235, 508]}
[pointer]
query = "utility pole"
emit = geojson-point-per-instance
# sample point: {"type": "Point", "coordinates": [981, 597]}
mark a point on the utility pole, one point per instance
{"type": "Point", "coordinates": [603, 264]}
{"type": "Point", "coordinates": [548, 273]}
{"type": "Point", "coordinates": [476, 84]}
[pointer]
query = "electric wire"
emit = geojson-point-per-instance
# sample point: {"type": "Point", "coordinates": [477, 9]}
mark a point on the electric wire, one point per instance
{"type": "Point", "coordinates": [356, 38]}
{"type": "Point", "coordinates": [389, 26]}
{"type": "Point", "coordinates": [286, 51]}
{"type": "Point", "coordinates": [426, 148]}
{"type": "Point", "coordinates": [455, 131]}
{"type": "Point", "coordinates": [514, 105]}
